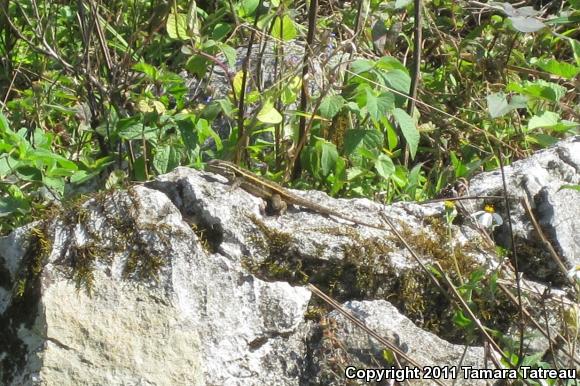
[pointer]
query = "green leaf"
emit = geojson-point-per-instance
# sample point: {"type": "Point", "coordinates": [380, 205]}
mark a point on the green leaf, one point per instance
{"type": "Point", "coordinates": [461, 320]}
{"type": "Point", "coordinates": [193, 24]}
{"type": "Point", "coordinates": [339, 176]}
{"type": "Point", "coordinates": [389, 63]}
{"type": "Point", "coordinates": [547, 119]}
{"type": "Point", "coordinates": [357, 138]}
{"type": "Point", "coordinates": [59, 172]}
{"type": "Point", "coordinates": [55, 184]}
{"type": "Point", "coordinates": [268, 114]}
{"type": "Point", "coordinates": [569, 19]}
{"type": "Point", "coordinates": [542, 139]}
{"type": "Point", "coordinates": [458, 166]}
{"type": "Point", "coordinates": [402, 3]}
{"type": "Point", "coordinates": [384, 166]}
{"type": "Point", "coordinates": [539, 89]}
{"type": "Point", "coordinates": [4, 126]}
{"type": "Point", "coordinates": [7, 165]}
{"type": "Point", "coordinates": [290, 91]}
{"type": "Point", "coordinates": [284, 28]}
{"type": "Point", "coordinates": [328, 156]}
{"type": "Point", "coordinates": [497, 105]}
{"type": "Point", "coordinates": [398, 80]}
{"type": "Point", "coordinates": [220, 31]}
{"type": "Point", "coordinates": [227, 107]}
{"type": "Point", "coordinates": [531, 360]}
{"type": "Point", "coordinates": [248, 7]}
{"type": "Point", "coordinates": [400, 176]}
{"type": "Point", "coordinates": [147, 69]}
{"type": "Point", "coordinates": [237, 82]}
{"type": "Point", "coordinates": [10, 205]}
{"type": "Point", "coordinates": [361, 65]}
{"type": "Point", "coordinates": [177, 26]}
{"type": "Point", "coordinates": [355, 172]}
{"type": "Point", "coordinates": [230, 53]}
{"type": "Point", "coordinates": [571, 187]}
{"type": "Point", "coordinates": [137, 131]}
{"type": "Point", "coordinates": [331, 105]}
{"type": "Point", "coordinates": [392, 137]}
{"type": "Point", "coordinates": [409, 130]}
{"type": "Point", "coordinates": [575, 44]}
{"type": "Point", "coordinates": [161, 158]}
{"type": "Point", "coordinates": [47, 157]}
{"type": "Point", "coordinates": [563, 69]}
{"type": "Point", "coordinates": [370, 154]}
{"type": "Point", "coordinates": [379, 106]}
{"type": "Point", "coordinates": [197, 65]}
{"type": "Point", "coordinates": [82, 176]}
{"type": "Point", "coordinates": [205, 131]}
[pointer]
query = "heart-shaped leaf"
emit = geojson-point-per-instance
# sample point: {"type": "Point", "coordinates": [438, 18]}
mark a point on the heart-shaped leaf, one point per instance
{"type": "Point", "coordinates": [268, 114]}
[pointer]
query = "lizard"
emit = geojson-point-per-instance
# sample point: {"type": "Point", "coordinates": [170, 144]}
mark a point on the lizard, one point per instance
{"type": "Point", "coordinates": [276, 196]}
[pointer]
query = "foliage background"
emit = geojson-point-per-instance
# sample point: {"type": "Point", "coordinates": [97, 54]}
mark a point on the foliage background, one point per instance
{"type": "Point", "coordinates": [94, 94]}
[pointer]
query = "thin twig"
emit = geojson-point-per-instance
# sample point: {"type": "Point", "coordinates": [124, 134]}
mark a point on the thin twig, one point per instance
{"type": "Point", "coordinates": [533, 320]}
{"type": "Point", "coordinates": [418, 42]}
{"type": "Point", "coordinates": [312, 13]}
{"type": "Point", "coordinates": [459, 199]}
{"type": "Point", "coordinates": [515, 259]}
{"type": "Point", "coordinates": [242, 137]}
{"type": "Point", "coordinates": [348, 315]}
{"type": "Point", "coordinates": [557, 259]}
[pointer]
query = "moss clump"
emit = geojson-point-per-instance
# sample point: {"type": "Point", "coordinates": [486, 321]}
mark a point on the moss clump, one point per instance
{"type": "Point", "coordinates": [39, 247]}
{"type": "Point", "coordinates": [82, 260]}
{"type": "Point", "coordinates": [419, 300]}
{"type": "Point", "coordinates": [423, 303]}
{"type": "Point", "coordinates": [142, 262]}
{"type": "Point", "coordinates": [126, 236]}
{"type": "Point", "coordinates": [436, 245]}
{"type": "Point", "coordinates": [23, 308]}
{"type": "Point", "coordinates": [361, 274]}
{"type": "Point", "coordinates": [282, 262]}
{"type": "Point", "coordinates": [374, 272]}
{"type": "Point", "coordinates": [277, 242]}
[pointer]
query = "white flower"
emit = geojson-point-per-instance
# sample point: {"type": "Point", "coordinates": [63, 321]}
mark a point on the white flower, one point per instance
{"type": "Point", "coordinates": [487, 218]}
{"type": "Point", "coordinates": [574, 273]}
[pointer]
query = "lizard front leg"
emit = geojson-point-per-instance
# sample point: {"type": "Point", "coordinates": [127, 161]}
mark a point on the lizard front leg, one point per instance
{"type": "Point", "coordinates": [276, 205]}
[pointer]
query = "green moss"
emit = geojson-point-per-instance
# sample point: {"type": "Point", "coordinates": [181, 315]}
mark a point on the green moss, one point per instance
{"type": "Point", "coordinates": [82, 260]}
{"type": "Point", "coordinates": [361, 273]}
{"type": "Point", "coordinates": [435, 245]}
{"type": "Point", "coordinates": [282, 262]}
{"type": "Point", "coordinates": [277, 242]}
{"type": "Point", "coordinates": [129, 237]}
{"type": "Point", "coordinates": [422, 302]}
{"type": "Point", "coordinates": [37, 251]}
{"type": "Point", "coordinates": [23, 308]}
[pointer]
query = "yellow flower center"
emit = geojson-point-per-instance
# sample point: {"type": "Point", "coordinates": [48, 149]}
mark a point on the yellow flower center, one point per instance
{"type": "Point", "coordinates": [489, 208]}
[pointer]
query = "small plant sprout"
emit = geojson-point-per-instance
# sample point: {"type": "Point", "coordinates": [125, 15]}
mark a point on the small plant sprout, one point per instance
{"type": "Point", "coordinates": [487, 217]}
{"type": "Point", "coordinates": [450, 211]}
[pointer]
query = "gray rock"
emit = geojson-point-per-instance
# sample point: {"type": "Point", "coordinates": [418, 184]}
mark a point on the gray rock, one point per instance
{"type": "Point", "coordinates": [186, 281]}
{"type": "Point", "coordinates": [201, 320]}
{"type": "Point", "coordinates": [344, 344]}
